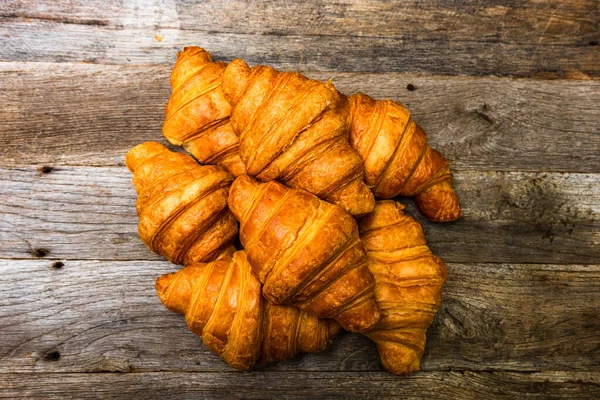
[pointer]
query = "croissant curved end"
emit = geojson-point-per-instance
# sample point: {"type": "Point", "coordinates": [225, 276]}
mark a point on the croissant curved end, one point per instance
{"type": "Point", "coordinates": [162, 285]}
{"type": "Point", "coordinates": [399, 359]}
{"type": "Point", "coordinates": [333, 329]}
{"type": "Point", "coordinates": [439, 203]}
{"type": "Point", "coordinates": [190, 50]}
{"type": "Point", "coordinates": [141, 153]}
{"type": "Point", "coordinates": [235, 77]}
{"type": "Point", "coordinates": [385, 213]}
{"type": "Point", "coordinates": [240, 195]}
{"type": "Point", "coordinates": [191, 53]}
{"type": "Point", "coordinates": [356, 198]}
{"type": "Point", "coordinates": [361, 317]}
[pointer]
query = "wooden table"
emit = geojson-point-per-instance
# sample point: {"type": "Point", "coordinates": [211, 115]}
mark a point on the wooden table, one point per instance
{"type": "Point", "coordinates": [509, 92]}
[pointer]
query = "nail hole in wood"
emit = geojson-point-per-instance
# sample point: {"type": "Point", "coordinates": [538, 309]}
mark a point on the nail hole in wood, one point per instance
{"type": "Point", "coordinates": [410, 87]}
{"type": "Point", "coordinates": [593, 43]}
{"type": "Point", "coordinates": [58, 265]}
{"type": "Point", "coordinates": [45, 169]}
{"type": "Point", "coordinates": [40, 252]}
{"type": "Point", "coordinates": [52, 356]}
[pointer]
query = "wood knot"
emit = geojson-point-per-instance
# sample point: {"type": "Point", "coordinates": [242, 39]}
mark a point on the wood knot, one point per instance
{"type": "Point", "coordinates": [483, 112]}
{"type": "Point", "coordinates": [46, 169]}
{"type": "Point", "coordinates": [410, 87]}
{"type": "Point", "coordinates": [593, 43]}
{"type": "Point", "coordinates": [52, 356]}
{"type": "Point", "coordinates": [58, 265]}
{"type": "Point", "coordinates": [40, 252]}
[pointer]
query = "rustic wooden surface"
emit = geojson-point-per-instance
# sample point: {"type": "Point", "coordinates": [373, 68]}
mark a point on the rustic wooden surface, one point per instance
{"type": "Point", "coordinates": [509, 91]}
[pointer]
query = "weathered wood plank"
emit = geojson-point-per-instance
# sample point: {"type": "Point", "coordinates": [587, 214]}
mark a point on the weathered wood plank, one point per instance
{"type": "Point", "coordinates": [54, 42]}
{"type": "Point", "coordinates": [411, 35]}
{"type": "Point", "coordinates": [528, 21]}
{"type": "Point", "coordinates": [438, 385]}
{"type": "Point", "coordinates": [89, 213]}
{"type": "Point", "coordinates": [91, 114]}
{"type": "Point", "coordinates": [98, 316]}
{"type": "Point", "coordinates": [113, 13]}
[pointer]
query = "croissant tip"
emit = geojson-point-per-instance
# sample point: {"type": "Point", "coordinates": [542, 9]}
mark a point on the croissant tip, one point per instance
{"type": "Point", "coordinates": [447, 217]}
{"type": "Point", "coordinates": [240, 193]}
{"type": "Point", "coordinates": [235, 78]}
{"type": "Point", "coordinates": [447, 211]}
{"type": "Point", "coordinates": [402, 368]}
{"type": "Point", "coordinates": [333, 329]}
{"type": "Point", "coordinates": [141, 153]}
{"type": "Point", "coordinates": [190, 50]}
{"type": "Point", "coordinates": [439, 203]}
{"type": "Point", "coordinates": [162, 283]}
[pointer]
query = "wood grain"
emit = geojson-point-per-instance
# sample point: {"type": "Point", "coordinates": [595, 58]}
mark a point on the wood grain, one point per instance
{"type": "Point", "coordinates": [104, 316]}
{"type": "Point", "coordinates": [526, 21]}
{"type": "Point", "coordinates": [91, 115]}
{"type": "Point", "coordinates": [89, 213]}
{"type": "Point", "coordinates": [81, 82]}
{"type": "Point", "coordinates": [438, 385]}
{"type": "Point", "coordinates": [550, 38]}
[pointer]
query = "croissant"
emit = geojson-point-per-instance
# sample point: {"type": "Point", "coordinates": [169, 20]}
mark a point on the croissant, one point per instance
{"type": "Point", "coordinates": [222, 304]}
{"type": "Point", "coordinates": [294, 129]}
{"type": "Point", "coordinates": [305, 251]}
{"type": "Point", "coordinates": [398, 160]}
{"type": "Point", "coordinates": [408, 290]}
{"type": "Point", "coordinates": [197, 114]}
{"type": "Point", "coordinates": [182, 205]}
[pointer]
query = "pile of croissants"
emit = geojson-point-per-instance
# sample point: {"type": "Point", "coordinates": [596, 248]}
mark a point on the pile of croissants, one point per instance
{"type": "Point", "coordinates": [292, 168]}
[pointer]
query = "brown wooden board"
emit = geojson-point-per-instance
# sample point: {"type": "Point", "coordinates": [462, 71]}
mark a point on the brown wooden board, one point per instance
{"type": "Point", "coordinates": [91, 115]}
{"type": "Point", "coordinates": [557, 385]}
{"type": "Point", "coordinates": [104, 316]}
{"type": "Point", "coordinates": [89, 213]}
{"type": "Point", "coordinates": [525, 38]}
{"type": "Point", "coordinates": [526, 21]}
{"type": "Point", "coordinates": [507, 90]}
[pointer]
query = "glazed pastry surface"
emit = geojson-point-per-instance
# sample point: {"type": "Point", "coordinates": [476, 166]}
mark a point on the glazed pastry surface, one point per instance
{"type": "Point", "coordinates": [294, 129]}
{"type": "Point", "coordinates": [197, 114]}
{"type": "Point", "coordinates": [408, 289]}
{"type": "Point", "coordinates": [398, 160]}
{"type": "Point", "coordinates": [182, 205]}
{"type": "Point", "coordinates": [223, 305]}
{"type": "Point", "coordinates": [305, 251]}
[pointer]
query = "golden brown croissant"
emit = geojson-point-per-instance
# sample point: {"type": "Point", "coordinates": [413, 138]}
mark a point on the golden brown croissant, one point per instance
{"type": "Point", "coordinates": [197, 114]}
{"type": "Point", "coordinates": [305, 251]}
{"type": "Point", "coordinates": [397, 158]}
{"type": "Point", "coordinates": [294, 129]}
{"type": "Point", "coordinates": [223, 305]}
{"type": "Point", "coordinates": [182, 205]}
{"type": "Point", "coordinates": [408, 290]}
